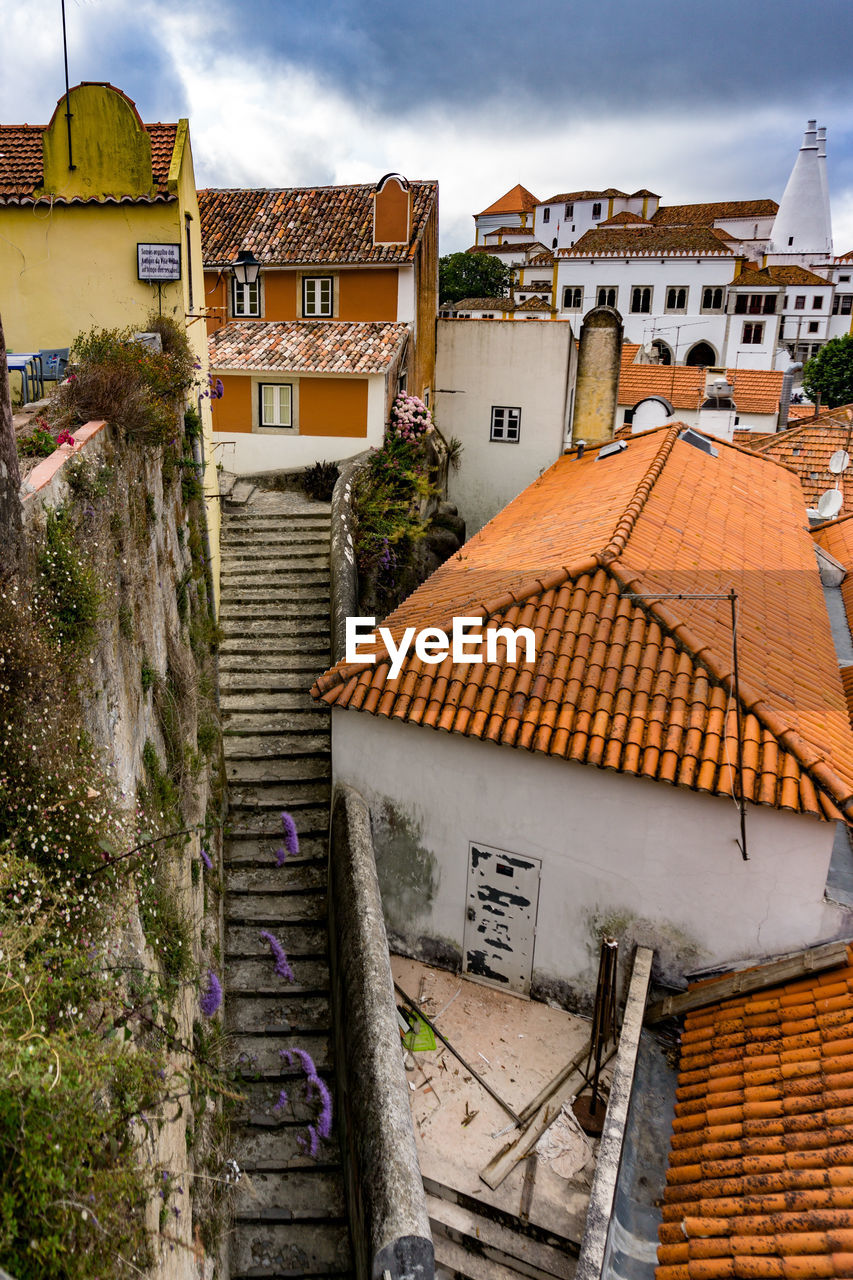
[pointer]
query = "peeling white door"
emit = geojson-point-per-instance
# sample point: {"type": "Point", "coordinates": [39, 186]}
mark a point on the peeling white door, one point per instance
{"type": "Point", "coordinates": [500, 919]}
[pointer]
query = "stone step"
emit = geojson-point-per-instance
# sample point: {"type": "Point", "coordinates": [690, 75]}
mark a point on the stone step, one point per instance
{"type": "Point", "coordinates": [301, 942]}
{"type": "Point", "coordinates": [496, 1243]}
{"type": "Point", "coordinates": [269, 701]}
{"type": "Point", "coordinates": [259, 977]}
{"type": "Point", "coordinates": [285, 1014]}
{"type": "Point", "coordinates": [263, 627]}
{"type": "Point", "coordinates": [280, 1251]}
{"type": "Point", "coordinates": [272, 769]}
{"type": "Point", "coordinates": [286, 593]}
{"type": "Point", "coordinates": [290, 1196]}
{"type": "Point", "coordinates": [259, 1057]}
{"type": "Point", "coordinates": [311, 606]}
{"type": "Point", "coordinates": [313, 650]}
{"type": "Point", "coordinates": [268, 566]}
{"type": "Point", "coordinates": [261, 1107]}
{"type": "Point", "coordinates": [252, 518]}
{"type": "Point", "coordinates": [275, 684]}
{"type": "Point", "coordinates": [312, 822]}
{"type": "Point", "coordinates": [293, 877]}
{"type": "Point", "coordinates": [287, 580]}
{"type": "Point", "coordinates": [292, 795]}
{"type": "Point", "coordinates": [258, 718]}
{"type": "Point", "coordinates": [253, 848]}
{"type": "Point", "coordinates": [275, 543]}
{"type": "Point", "coordinates": [266, 745]}
{"type": "Point", "coordinates": [271, 909]}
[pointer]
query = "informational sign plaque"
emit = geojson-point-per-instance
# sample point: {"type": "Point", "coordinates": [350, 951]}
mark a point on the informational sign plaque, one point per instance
{"type": "Point", "coordinates": [158, 261]}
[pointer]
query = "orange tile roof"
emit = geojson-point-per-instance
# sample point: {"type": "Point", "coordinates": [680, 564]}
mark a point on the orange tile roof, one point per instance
{"type": "Point", "coordinates": [625, 218]}
{"type": "Point", "coordinates": [518, 200]}
{"type": "Point", "coordinates": [836, 537]}
{"type": "Point", "coordinates": [22, 166]}
{"type": "Point", "coordinates": [683, 215]}
{"type": "Point", "coordinates": [506, 247]}
{"type": "Point", "coordinates": [755, 390]}
{"type": "Point", "coordinates": [311, 225]}
{"type": "Point", "coordinates": [535, 304]}
{"type": "Point", "coordinates": [589, 195]}
{"type": "Point", "coordinates": [796, 411]}
{"type": "Point", "coordinates": [846, 674]}
{"type": "Point", "coordinates": [639, 687]}
{"type": "Point", "coordinates": [760, 1178]}
{"type": "Point", "coordinates": [510, 231]}
{"type": "Point", "coordinates": [649, 241]}
{"type": "Point", "coordinates": [483, 304]}
{"type": "Point", "coordinates": [797, 275]}
{"type": "Point", "coordinates": [807, 449]}
{"type": "Point", "coordinates": [303, 346]}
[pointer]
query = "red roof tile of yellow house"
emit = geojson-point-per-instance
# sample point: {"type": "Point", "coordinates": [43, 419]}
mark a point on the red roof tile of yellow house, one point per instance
{"type": "Point", "coordinates": [639, 685]}
{"type": "Point", "coordinates": [760, 1178]}
{"type": "Point", "coordinates": [755, 390]}
{"type": "Point", "coordinates": [807, 449]}
{"type": "Point", "coordinates": [518, 200]}
{"type": "Point", "coordinates": [307, 346]}
{"type": "Point", "coordinates": [295, 225]}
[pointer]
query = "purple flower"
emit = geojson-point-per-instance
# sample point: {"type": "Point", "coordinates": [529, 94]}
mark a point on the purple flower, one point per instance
{"type": "Point", "coordinates": [282, 968]}
{"type": "Point", "coordinates": [316, 1089]}
{"type": "Point", "coordinates": [282, 1101]}
{"type": "Point", "coordinates": [312, 1144]}
{"type": "Point", "coordinates": [291, 837]}
{"type": "Point", "coordinates": [212, 998]}
{"type": "Point", "coordinates": [205, 857]}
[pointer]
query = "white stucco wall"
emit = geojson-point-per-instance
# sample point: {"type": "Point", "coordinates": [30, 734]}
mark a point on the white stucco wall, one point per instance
{"type": "Point", "coordinates": [405, 295]}
{"type": "Point", "coordinates": [643, 860]}
{"type": "Point", "coordinates": [500, 362]}
{"type": "Point", "coordinates": [245, 453]}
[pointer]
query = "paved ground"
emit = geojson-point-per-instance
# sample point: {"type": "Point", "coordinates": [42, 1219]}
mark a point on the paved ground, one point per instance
{"type": "Point", "coordinates": [290, 1215]}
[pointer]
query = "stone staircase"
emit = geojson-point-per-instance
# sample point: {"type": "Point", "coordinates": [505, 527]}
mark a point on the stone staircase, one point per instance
{"type": "Point", "coordinates": [290, 1209]}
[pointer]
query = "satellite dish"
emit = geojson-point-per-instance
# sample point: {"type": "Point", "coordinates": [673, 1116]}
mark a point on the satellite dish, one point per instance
{"type": "Point", "coordinates": [839, 462]}
{"type": "Point", "coordinates": [830, 504]}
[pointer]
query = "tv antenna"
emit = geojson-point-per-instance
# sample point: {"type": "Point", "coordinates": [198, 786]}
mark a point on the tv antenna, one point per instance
{"type": "Point", "coordinates": [71, 164]}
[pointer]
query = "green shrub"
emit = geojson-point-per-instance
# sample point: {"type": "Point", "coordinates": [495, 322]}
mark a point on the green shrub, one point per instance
{"type": "Point", "coordinates": [38, 444]}
{"type": "Point", "coordinates": [68, 590]}
{"type": "Point", "coordinates": [319, 480]}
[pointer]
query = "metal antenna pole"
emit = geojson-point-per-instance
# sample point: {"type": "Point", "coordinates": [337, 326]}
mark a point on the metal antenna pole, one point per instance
{"type": "Point", "coordinates": [71, 164]}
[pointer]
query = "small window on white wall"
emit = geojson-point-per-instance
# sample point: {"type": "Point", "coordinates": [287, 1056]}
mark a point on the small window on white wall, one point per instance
{"type": "Point", "coordinates": [506, 424]}
{"type": "Point", "coordinates": [276, 404]}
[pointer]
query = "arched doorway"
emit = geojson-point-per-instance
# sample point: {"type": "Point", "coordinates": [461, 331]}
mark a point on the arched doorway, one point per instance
{"type": "Point", "coordinates": [702, 355]}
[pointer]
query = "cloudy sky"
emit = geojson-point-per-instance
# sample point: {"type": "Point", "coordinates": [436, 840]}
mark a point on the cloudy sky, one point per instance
{"type": "Point", "coordinates": [697, 99]}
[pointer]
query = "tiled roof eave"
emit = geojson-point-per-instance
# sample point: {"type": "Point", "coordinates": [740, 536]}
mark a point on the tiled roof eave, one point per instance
{"type": "Point", "coordinates": [165, 197]}
{"type": "Point", "coordinates": [648, 253]}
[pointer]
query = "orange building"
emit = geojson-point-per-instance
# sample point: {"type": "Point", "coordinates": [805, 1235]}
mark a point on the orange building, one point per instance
{"type": "Point", "coordinates": [339, 317]}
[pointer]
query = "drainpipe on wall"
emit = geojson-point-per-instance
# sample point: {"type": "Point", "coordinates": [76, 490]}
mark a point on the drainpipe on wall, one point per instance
{"type": "Point", "coordinates": [785, 396]}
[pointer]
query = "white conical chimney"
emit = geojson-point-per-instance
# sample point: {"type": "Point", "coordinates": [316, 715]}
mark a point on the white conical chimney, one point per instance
{"type": "Point", "coordinates": [801, 230]}
{"type": "Point", "coordinates": [824, 180]}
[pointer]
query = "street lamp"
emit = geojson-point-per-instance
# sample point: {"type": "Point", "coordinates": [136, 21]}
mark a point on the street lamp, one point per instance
{"type": "Point", "coordinates": [247, 268]}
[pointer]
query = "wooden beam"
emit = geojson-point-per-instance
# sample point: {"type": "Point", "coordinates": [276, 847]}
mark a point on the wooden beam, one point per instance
{"type": "Point", "coordinates": [815, 960]}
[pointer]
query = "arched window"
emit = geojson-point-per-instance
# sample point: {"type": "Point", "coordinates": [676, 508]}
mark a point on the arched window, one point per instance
{"type": "Point", "coordinates": [712, 298]}
{"type": "Point", "coordinates": [606, 297]}
{"type": "Point", "coordinates": [701, 356]}
{"type": "Point", "coordinates": [641, 299]}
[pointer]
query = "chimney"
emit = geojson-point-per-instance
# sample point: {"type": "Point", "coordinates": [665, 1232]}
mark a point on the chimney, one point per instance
{"type": "Point", "coordinates": [392, 210]}
{"type": "Point", "coordinates": [597, 386]}
{"type": "Point", "coordinates": [785, 395]}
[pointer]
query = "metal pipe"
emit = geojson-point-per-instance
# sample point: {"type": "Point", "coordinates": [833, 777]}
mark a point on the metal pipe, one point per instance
{"type": "Point", "coordinates": [71, 164]}
{"type": "Point", "coordinates": [467, 1065]}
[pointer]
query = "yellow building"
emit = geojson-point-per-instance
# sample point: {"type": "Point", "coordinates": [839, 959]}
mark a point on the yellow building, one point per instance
{"type": "Point", "coordinates": [93, 207]}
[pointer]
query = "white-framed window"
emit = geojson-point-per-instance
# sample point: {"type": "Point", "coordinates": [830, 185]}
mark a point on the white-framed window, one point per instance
{"type": "Point", "coordinates": [506, 424]}
{"type": "Point", "coordinates": [753, 334]}
{"type": "Point", "coordinates": [606, 296]}
{"type": "Point", "coordinates": [676, 298]}
{"type": "Point", "coordinates": [570, 212]}
{"type": "Point", "coordinates": [596, 211]}
{"type": "Point", "coordinates": [713, 298]}
{"type": "Point", "coordinates": [641, 299]}
{"type": "Point", "coordinates": [842, 304]}
{"type": "Point", "coordinates": [546, 215]}
{"type": "Point", "coordinates": [800, 302]}
{"type": "Point", "coordinates": [246, 298]}
{"type": "Point", "coordinates": [275, 404]}
{"type": "Point", "coordinates": [318, 296]}
{"type": "Point", "coordinates": [572, 297]}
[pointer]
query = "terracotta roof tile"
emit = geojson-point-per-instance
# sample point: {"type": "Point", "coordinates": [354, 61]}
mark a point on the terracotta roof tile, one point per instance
{"type": "Point", "coordinates": [651, 241]}
{"type": "Point", "coordinates": [518, 200]}
{"type": "Point", "coordinates": [534, 304]}
{"type": "Point", "coordinates": [755, 390]}
{"type": "Point", "coordinates": [807, 448]}
{"type": "Point", "coordinates": [643, 687]}
{"type": "Point", "coordinates": [534, 247]}
{"type": "Point", "coordinates": [22, 165]}
{"type": "Point", "coordinates": [302, 346]}
{"type": "Point", "coordinates": [760, 1178]}
{"type": "Point", "coordinates": [625, 219]}
{"type": "Point", "coordinates": [296, 225]}
{"type": "Point", "coordinates": [510, 231]}
{"type": "Point", "coordinates": [482, 304]}
{"type": "Point", "coordinates": [589, 195]}
{"type": "Point", "coordinates": [685, 215]}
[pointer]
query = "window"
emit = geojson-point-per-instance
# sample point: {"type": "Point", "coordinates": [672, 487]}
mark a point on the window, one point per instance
{"type": "Point", "coordinates": [275, 407]}
{"type": "Point", "coordinates": [596, 210]}
{"type": "Point", "coordinates": [753, 334]}
{"type": "Point", "coordinates": [755, 304]}
{"type": "Point", "coordinates": [506, 424]}
{"type": "Point", "coordinates": [790, 239]}
{"type": "Point", "coordinates": [246, 298]}
{"type": "Point", "coordinates": [843, 279]}
{"type": "Point", "coordinates": [641, 300]}
{"type": "Point", "coordinates": [554, 243]}
{"type": "Point", "coordinates": [317, 295]}
{"type": "Point", "coordinates": [606, 297]}
{"type": "Point", "coordinates": [813, 326]}
{"type": "Point", "coordinates": [676, 298]}
{"type": "Point", "coordinates": [800, 302]}
{"type": "Point", "coordinates": [817, 304]}
{"type": "Point", "coordinates": [570, 213]}
{"type": "Point", "coordinates": [546, 215]}
{"type": "Point", "coordinates": [842, 304]}
{"type": "Point", "coordinates": [627, 417]}
{"type": "Point", "coordinates": [572, 297]}
{"type": "Point", "coordinates": [712, 299]}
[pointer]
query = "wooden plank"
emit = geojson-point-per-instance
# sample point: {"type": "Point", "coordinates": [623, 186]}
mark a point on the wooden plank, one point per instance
{"type": "Point", "coordinates": [815, 960]}
{"type": "Point", "coordinates": [509, 1155]}
{"type": "Point", "coordinates": [551, 1087]}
